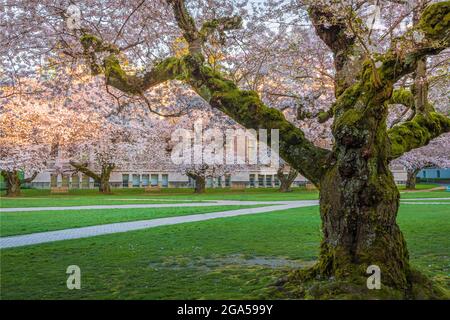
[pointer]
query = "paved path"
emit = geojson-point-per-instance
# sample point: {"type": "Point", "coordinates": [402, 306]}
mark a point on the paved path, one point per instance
{"type": "Point", "coordinates": [84, 232]}
{"type": "Point", "coordinates": [151, 205]}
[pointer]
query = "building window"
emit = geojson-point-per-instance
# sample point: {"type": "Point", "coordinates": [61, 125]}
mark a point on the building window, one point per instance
{"type": "Point", "coordinates": [438, 173]}
{"type": "Point", "coordinates": [125, 180]}
{"type": "Point", "coordinates": [165, 180]}
{"type": "Point", "coordinates": [260, 180]}
{"type": "Point", "coordinates": [154, 180]}
{"type": "Point", "coordinates": [252, 180]}
{"type": "Point", "coordinates": [145, 180]}
{"type": "Point", "coordinates": [227, 180]}
{"type": "Point", "coordinates": [136, 180]}
{"type": "Point", "coordinates": [276, 181]}
{"type": "Point", "coordinates": [424, 174]}
{"type": "Point", "coordinates": [268, 180]}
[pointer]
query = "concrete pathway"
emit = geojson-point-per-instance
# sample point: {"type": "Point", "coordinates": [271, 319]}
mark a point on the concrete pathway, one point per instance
{"type": "Point", "coordinates": [151, 205]}
{"type": "Point", "coordinates": [84, 232]}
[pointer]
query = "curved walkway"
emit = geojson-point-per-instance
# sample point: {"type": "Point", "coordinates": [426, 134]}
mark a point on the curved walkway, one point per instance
{"type": "Point", "coordinates": [84, 232]}
{"type": "Point", "coordinates": [151, 205]}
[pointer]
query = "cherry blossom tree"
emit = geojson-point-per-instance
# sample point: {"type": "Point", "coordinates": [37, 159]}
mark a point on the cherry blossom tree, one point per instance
{"type": "Point", "coordinates": [435, 154]}
{"type": "Point", "coordinates": [23, 144]}
{"type": "Point", "coordinates": [358, 197]}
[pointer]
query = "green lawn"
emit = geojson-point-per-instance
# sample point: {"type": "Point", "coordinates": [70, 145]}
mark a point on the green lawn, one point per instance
{"type": "Point", "coordinates": [421, 186]}
{"type": "Point", "coordinates": [13, 223]}
{"type": "Point", "coordinates": [77, 200]}
{"type": "Point", "coordinates": [429, 194]}
{"type": "Point", "coordinates": [226, 258]}
{"type": "Point", "coordinates": [39, 198]}
{"type": "Point", "coordinates": [43, 198]}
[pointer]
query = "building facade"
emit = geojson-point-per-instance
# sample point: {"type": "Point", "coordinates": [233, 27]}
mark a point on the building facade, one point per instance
{"type": "Point", "coordinates": [262, 177]}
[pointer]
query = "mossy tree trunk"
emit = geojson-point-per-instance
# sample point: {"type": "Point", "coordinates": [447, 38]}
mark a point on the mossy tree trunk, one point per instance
{"type": "Point", "coordinates": [358, 205]}
{"type": "Point", "coordinates": [286, 180]}
{"type": "Point", "coordinates": [200, 182]}
{"type": "Point", "coordinates": [102, 179]}
{"type": "Point", "coordinates": [14, 183]}
{"type": "Point", "coordinates": [411, 175]}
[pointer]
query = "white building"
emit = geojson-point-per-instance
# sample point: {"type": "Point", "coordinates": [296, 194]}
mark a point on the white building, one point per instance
{"type": "Point", "coordinates": [122, 178]}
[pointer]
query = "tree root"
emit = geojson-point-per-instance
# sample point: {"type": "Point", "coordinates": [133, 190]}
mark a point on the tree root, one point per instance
{"type": "Point", "coordinates": [308, 284]}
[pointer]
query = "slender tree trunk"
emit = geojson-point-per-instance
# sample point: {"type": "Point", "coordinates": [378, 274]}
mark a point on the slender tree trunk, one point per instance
{"type": "Point", "coordinates": [12, 183]}
{"type": "Point", "coordinates": [286, 180]}
{"type": "Point", "coordinates": [411, 179]}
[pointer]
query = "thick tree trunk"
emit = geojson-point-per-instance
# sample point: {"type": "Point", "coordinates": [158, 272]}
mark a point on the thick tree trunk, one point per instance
{"type": "Point", "coordinates": [360, 229]}
{"type": "Point", "coordinates": [359, 202]}
{"type": "Point", "coordinates": [102, 179]}
{"type": "Point", "coordinates": [104, 186]}
{"type": "Point", "coordinates": [286, 180]}
{"type": "Point", "coordinates": [12, 180]}
{"type": "Point", "coordinates": [200, 184]}
{"type": "Point", "coordinates": [411, 179]}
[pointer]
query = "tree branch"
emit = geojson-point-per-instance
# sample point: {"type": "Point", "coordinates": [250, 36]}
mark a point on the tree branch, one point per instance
{"type": "Point", "coordinates": [434, 26]}
{"type": "Point", "coordinates": [30, 179]}
{"type": "Point", "coordinates": [416, 133]}
{"type": "Point", "coordinates": [83, 168]}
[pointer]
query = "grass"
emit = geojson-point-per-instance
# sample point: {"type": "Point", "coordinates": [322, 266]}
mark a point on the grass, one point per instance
{"type": "Point", "coordinates": [421, 186]}
{"type": "Point", "coordinates": [237, 257]}
{"type": "Point", "coordinates": [39, 197]}
{"type": "Point", "coordinates": [14, 223]}
{"type": "Point", "coordinates": [43, 198]}
{"type": "Point", "coordinates": [71, 200]}
{"type": "Point", "coordinates": [429, 194]}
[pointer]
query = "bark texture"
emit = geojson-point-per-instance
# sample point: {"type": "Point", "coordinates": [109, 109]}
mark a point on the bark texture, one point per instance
{"type": "Point", "coordinates": [411, 178]}
{"type": "Point", "coordinates": [286, 180]}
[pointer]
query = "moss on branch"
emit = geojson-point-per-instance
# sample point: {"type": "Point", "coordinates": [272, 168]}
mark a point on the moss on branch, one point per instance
{"type": "Point", "coordinates": [402, 96]}
{"type": "Point", "coordinates": [435, 21]}
{"type": "Point", "coordinates": [416, 133]}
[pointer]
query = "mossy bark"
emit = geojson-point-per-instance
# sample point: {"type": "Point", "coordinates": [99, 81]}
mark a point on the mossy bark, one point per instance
{"type": "Point", "coordinates": [286, 180]}
{"type": "Point", "coordinates": [13, 182]}
{"type": "Point", "coordinates": [411, 179]}
{"type": "Point", "coordinates": [200, 182]}
{"type": "Point", "coordinates": [358, 197]}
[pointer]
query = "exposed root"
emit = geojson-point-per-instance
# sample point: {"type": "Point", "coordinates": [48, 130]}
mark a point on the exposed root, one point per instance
{"type": "Point", "coordinates": [308, 284]}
